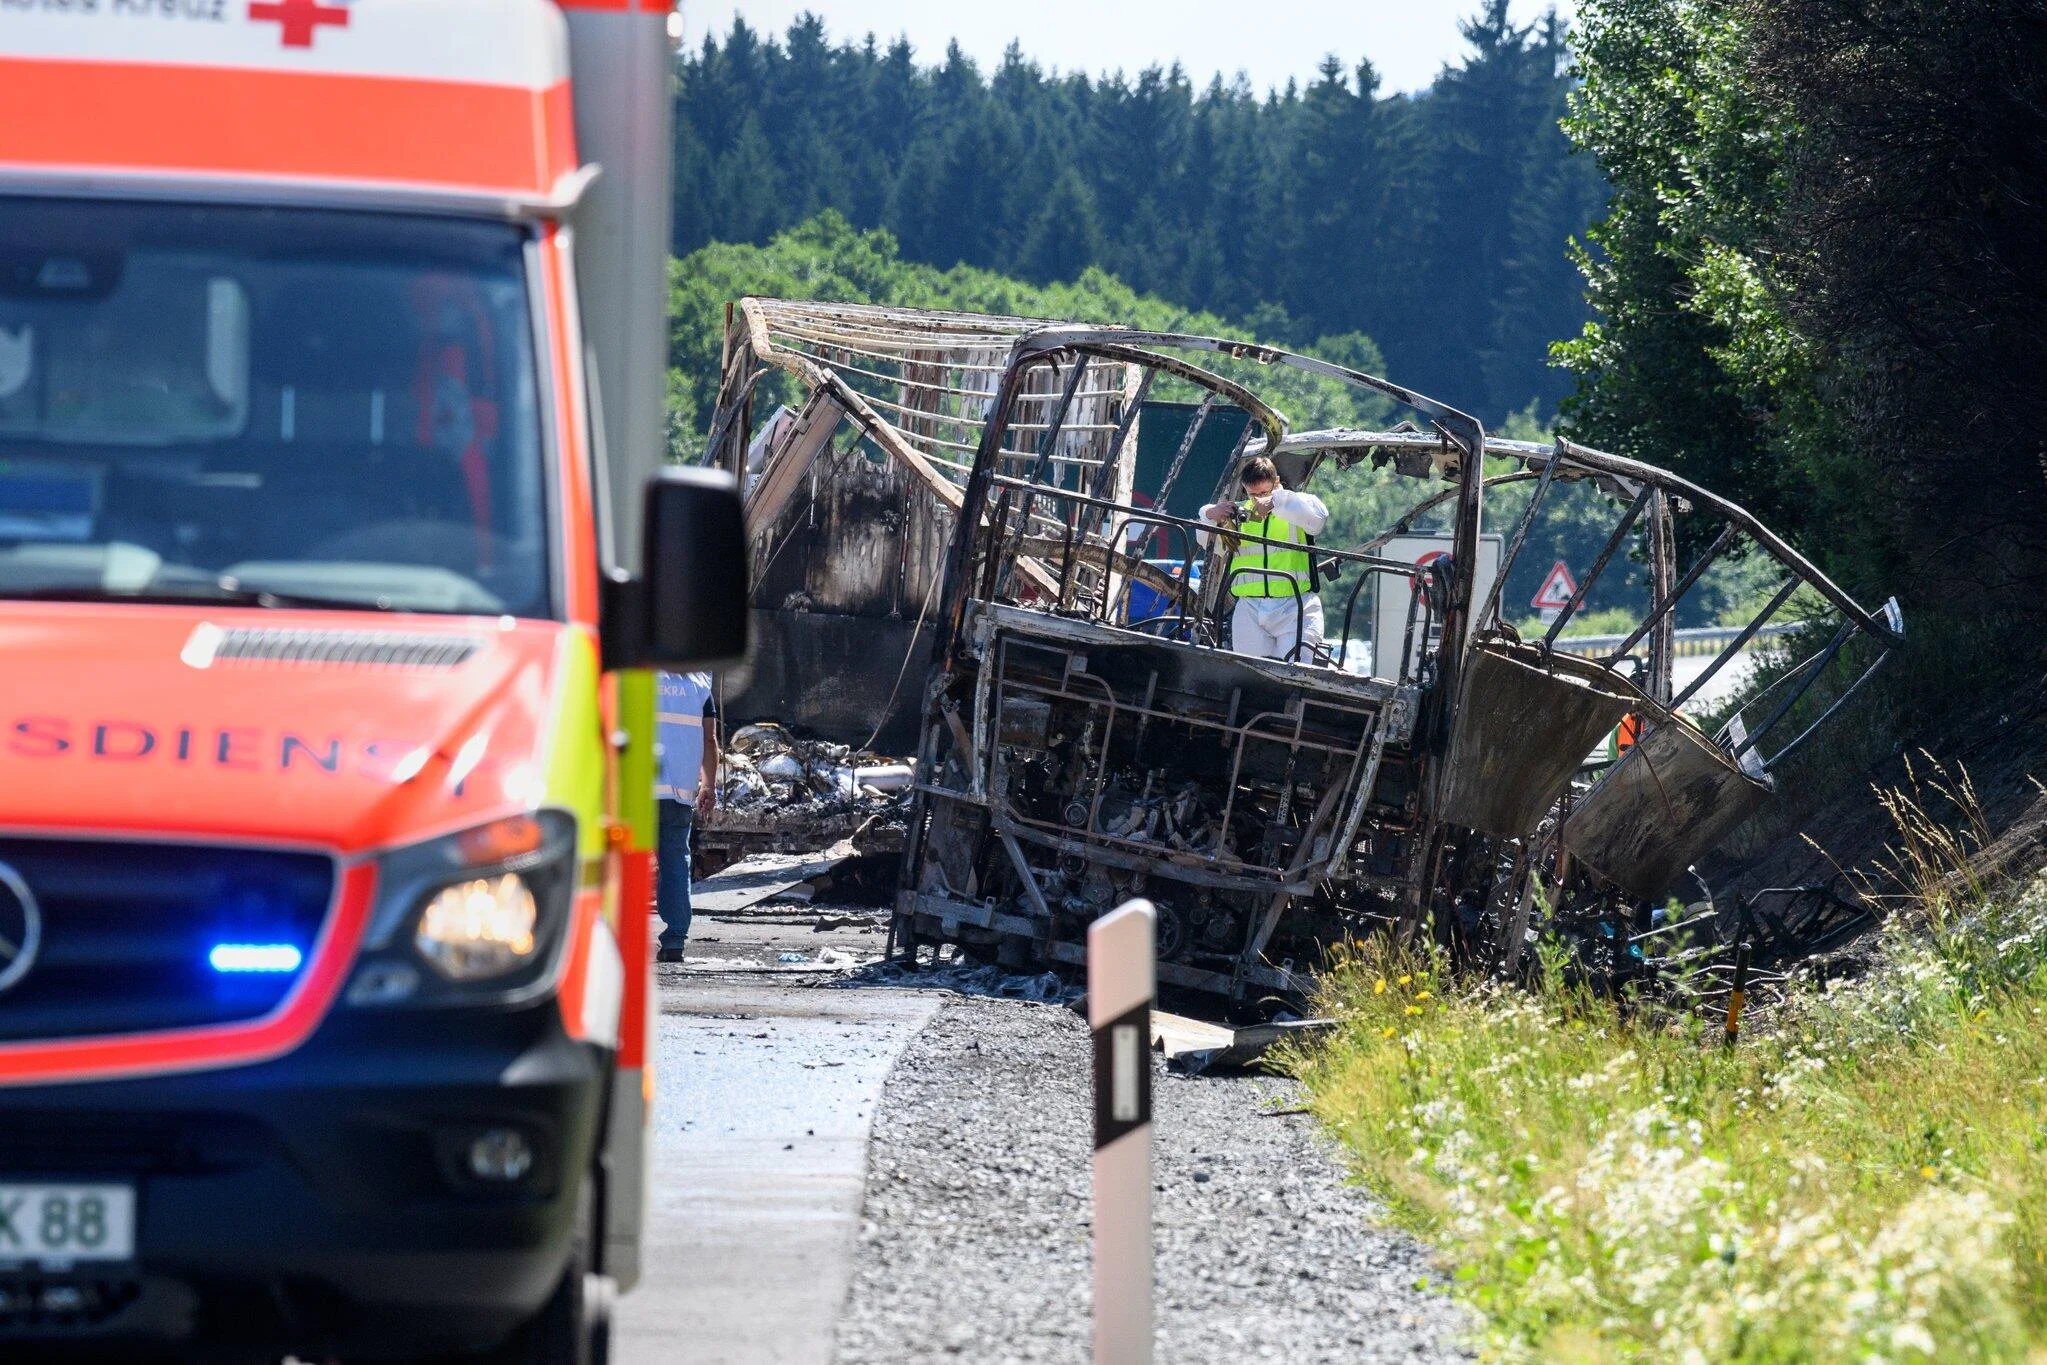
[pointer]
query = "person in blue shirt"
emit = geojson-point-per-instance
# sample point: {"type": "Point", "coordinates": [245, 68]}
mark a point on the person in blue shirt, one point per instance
{"type": "Point", "coordinates": [686, 782]}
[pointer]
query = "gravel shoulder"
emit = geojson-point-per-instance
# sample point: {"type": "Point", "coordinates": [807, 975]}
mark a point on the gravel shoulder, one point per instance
{"type": "Point", "coordinates": [974, 1236]}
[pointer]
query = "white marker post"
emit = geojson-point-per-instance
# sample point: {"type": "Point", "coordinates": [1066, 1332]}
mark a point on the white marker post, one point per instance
{"type": "Point", "coordinates": [1120, 986]}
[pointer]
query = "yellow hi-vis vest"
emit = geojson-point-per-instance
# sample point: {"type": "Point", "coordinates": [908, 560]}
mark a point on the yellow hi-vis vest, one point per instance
{"type": "Point", "coordinates": [1251, 555]}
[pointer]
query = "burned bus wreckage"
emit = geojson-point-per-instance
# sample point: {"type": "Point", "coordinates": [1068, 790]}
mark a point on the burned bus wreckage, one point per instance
{"type": "Point", "coordinates": [976, 537]}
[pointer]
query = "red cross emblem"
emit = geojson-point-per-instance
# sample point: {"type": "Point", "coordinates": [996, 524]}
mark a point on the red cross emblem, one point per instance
{"type": "Point", "coordinates": [300, 18]}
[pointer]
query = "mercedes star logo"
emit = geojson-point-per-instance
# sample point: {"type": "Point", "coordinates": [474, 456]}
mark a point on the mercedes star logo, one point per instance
{"type": "Point", "coordinates": [21, 928]}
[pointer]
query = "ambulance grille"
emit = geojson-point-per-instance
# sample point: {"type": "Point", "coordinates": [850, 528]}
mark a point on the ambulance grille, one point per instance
{"type": "Point", "coordinates": [211, 645]}
{"type": "Point", "coordinates": [127, 933]}
{"type": "Point", "coordinates": [87, 1142]}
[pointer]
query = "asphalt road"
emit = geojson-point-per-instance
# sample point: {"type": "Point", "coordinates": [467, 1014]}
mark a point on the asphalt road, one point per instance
{"type": "Point", "coordinates": [767, 1084]}
{"type": "Point", "coordinates": [773, 1242]}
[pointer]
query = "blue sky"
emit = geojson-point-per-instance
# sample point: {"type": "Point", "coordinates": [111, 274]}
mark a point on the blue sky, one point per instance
{"type": "Point", "coordinates": [1408, 40]}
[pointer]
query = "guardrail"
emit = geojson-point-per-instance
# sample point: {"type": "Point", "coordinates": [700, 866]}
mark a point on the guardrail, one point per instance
{"type": "Point", "coordinates": [1699, 640]}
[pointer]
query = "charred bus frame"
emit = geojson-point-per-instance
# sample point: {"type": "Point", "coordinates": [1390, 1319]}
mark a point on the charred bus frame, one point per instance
{"type": "Point", "coordinates": [1072, 750]}
{"type": "Point", "coordinates": [1062, 738]}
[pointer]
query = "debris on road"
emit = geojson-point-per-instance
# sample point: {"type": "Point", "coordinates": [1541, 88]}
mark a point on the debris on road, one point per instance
{"type": "Point", "coordinates": [964, 976]}
{"type": "Point", "coordinates": [760, 877]}
{"type": "Point", "coordinates": [824, 923]}
{"type": "Point", "coordinates": [1198, 1047]}
{"type": "Point", "coordinates": [817, 943]}
{"type": "Point", "coordinates": [1239, 1048]}
{"type": "Point", "coordinates": [1173, 1035]}
{"type": "Point", "coordinates": [826, 961]}
{"type": "Point", "coordinates": [782, 793]}
{"type": "Point", "coordinates": [764, 766]}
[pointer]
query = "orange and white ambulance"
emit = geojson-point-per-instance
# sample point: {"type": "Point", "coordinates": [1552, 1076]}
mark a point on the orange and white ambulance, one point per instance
{"type": "Point", "coordinates": [332, 354]}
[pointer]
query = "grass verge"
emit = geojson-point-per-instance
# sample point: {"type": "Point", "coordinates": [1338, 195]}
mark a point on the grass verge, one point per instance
{"type": "Point", "coordinates": [1866, 1182]}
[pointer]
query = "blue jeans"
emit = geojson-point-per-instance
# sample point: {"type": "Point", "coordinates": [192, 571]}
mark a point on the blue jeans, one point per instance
{"type": "Point", "coordinates": [671, 864]}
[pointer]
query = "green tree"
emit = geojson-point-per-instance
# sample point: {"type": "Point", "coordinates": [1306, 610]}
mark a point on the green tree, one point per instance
{"type": "Point", "coordinates": [1821, 288]}
{"type": "Point", "coordinates": [1689, 362]}
{"type": "Point", "coordinates": [1066, 236]}
{"type": "Point", "coordinates": [1435, 222]}
{"type": "Point", "coordinates": [1909, 242]}
{"type": "Point", "coordinates": [828, 258]}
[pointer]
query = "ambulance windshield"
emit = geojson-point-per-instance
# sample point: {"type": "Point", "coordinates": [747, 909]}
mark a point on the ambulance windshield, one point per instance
{"type": "Point", "coordinates": [268, 405]}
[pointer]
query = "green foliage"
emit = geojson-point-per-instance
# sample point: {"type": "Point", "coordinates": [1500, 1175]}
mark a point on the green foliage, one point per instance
{"type": "Point", "coordinates": [1435, 222]}
{"type": "Point", "coordinates": [1820, 288]}
{"type": "Point", "coordinates": [1610, 621]}
{"type": "Point", "coordinates": [1691, 362]}
{"type": "Point", "coordinates": [1864, 1180]}
{"type": "Point", "coordinates": [1910, 243]}
{"type": "Point", "coordinates": [1065, 236]}
{"type": "Point", "coordinates": [826, 258]}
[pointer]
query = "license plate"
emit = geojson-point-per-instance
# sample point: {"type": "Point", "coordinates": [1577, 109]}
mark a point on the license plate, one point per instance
{"type": "Point", "coordinates": [66, 1222]}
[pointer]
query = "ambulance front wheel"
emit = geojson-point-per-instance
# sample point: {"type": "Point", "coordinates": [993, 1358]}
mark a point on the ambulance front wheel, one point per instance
{"type": "Point", "coordinates": [573, 1329]}
{"type": "Point", "coordinates": [574, 1326]}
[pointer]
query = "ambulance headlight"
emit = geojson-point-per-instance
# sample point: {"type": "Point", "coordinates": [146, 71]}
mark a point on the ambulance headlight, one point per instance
{"type": "Point", "coordinates": [479, 929]}
{"type": "Point", "coordinates": [477, 915]}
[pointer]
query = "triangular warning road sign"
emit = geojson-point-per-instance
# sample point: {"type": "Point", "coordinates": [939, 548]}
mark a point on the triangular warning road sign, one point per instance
{"type": "Point", "coordinates": [1557, 590]}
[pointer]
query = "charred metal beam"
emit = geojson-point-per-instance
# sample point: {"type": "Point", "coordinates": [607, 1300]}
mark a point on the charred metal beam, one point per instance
{"type": "Point", "coordinates": [1663, 634]}
{"type": "Point", "coordinates": [1201, 411]}
{"type": "Point", "coordinates": [1031, 890]}
{"type": "Point", "coordinates": [1676, 595]}
{"type": "Point", "coordinates": [1812, 668]}
{"type": "Point", "coordinates": [1492, 606]}
{"type": "Point", "coordinates": [1846, 696]}
{"type": "Point", "coordinates": [1737, 644]}
{"type": "Point", "coordinates": [1004, 819]}
{"type": "Point", "coordinates": [1613, 543]}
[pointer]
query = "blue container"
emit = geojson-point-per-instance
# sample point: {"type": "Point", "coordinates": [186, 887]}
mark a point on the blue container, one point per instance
{"type": "Point", "coordinates": [1148, 609]}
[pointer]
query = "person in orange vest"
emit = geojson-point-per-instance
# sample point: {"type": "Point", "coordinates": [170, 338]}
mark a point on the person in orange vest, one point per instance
{"type": "Point", "coordinates": [1628, 733]}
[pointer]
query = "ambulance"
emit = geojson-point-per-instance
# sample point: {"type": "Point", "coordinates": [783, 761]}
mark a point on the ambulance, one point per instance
{"type": "Point", "coordinates": [335, 550]}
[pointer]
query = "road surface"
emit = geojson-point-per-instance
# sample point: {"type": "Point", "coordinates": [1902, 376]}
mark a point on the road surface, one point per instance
{"type": "Point", "coordinates": [1721, 686]}
{"type": "Point", "coordinates": [787, 1230]}
{"type": "Point", "coordinates": [768, 1082]}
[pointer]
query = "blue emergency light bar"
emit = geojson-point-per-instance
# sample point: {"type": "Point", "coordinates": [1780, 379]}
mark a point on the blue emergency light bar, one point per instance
{"type": "Point", "coordinates": [255, 957]}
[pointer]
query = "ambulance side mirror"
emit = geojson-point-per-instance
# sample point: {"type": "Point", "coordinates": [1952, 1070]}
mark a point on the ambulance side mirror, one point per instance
{"type": "Point", "coordinates": [688, 608]}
